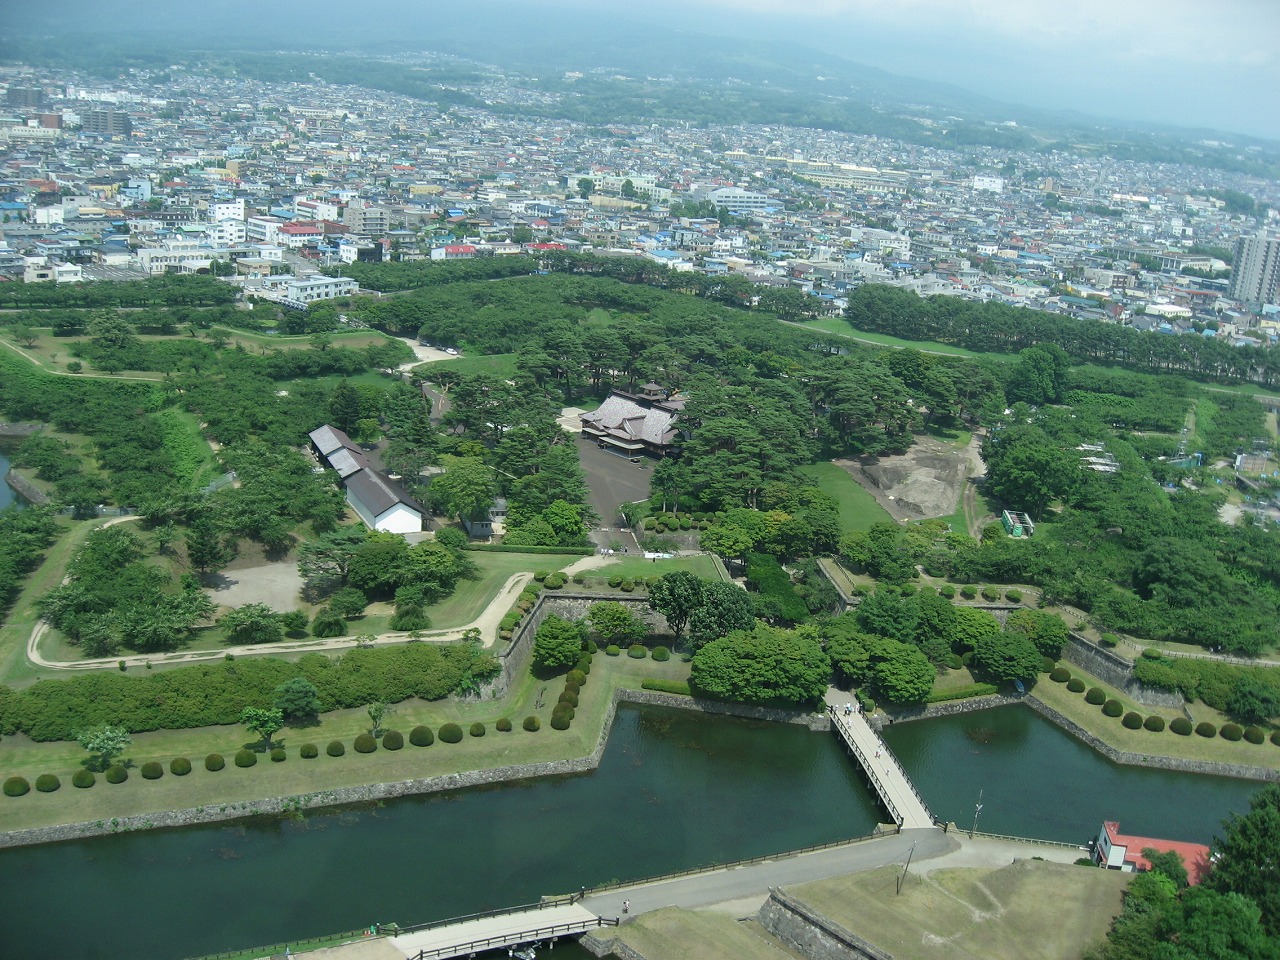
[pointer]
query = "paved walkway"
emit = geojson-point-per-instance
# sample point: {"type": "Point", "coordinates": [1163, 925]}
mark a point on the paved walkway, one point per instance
{"type": "Point", "coordinates": [753, 881]}
{"type": "Point", "coordinates": [491, 933]}
{"type": "Point", "coordinates": [886, 775]}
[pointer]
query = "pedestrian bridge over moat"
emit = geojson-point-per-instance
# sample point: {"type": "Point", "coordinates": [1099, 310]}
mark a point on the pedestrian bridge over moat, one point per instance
{"type": "Point", "coordinates": [884, 773]}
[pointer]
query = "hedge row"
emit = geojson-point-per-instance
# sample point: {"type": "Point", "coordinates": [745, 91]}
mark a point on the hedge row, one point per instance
{"type": "Point", "coordinates": [963, 693]}
{"type": "Point", "coordinates": [776, 588]}
{"type": "Point", "coordinates": [512, 548]}
{"type": "Point", "coordinates": [666, 686]}
{"type": "Point", "coordinates": [216, 693]}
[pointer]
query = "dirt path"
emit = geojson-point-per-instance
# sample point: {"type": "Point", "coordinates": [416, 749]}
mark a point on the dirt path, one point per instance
{"type": "Point", "coordinates": [974, 513]}
{"type": "Point", "coordinates": [421, 355]}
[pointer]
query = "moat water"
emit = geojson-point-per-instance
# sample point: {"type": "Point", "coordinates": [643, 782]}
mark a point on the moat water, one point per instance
{"type": "Point", "coordinates": [7, 495]}
{"type": "Point", "coordinates": [674, 790]}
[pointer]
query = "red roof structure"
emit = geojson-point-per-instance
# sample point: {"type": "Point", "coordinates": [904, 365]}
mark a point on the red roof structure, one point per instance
{"type": "Point", "coordinates": [1120, 851]}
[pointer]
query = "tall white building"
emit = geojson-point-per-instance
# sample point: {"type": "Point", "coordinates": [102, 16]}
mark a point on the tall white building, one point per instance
{"type": "Point", "coordinates": [1255, 275]}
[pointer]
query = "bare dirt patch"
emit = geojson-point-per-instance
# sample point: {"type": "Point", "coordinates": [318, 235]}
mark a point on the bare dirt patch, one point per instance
{"type": "Point", "coordinates": [278, 585]}
{"type": "Point", "coordinates": [926, 481]}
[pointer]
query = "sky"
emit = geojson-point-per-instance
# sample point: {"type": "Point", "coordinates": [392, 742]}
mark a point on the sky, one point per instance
{"type": "Point", "coordinates": [1191, 63]}
{"type": "Point", "coordinates": [1211, 63]}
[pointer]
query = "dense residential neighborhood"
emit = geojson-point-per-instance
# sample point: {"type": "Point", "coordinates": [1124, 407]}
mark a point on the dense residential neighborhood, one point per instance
{"type": "Point", "coordinates": [269, 183]}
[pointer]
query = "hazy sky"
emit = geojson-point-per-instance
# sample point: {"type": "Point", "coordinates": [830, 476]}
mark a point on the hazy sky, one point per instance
{"type": "Point", "coordinates": [1195, 62]}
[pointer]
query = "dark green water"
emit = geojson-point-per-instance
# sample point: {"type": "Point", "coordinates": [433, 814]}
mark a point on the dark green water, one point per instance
{"type": "Point", "coordinates": [1037, 781]}
{"type": "Point", "coordinates": [7, 496]}
{"type": "Point", "coordinates": [674, 790]}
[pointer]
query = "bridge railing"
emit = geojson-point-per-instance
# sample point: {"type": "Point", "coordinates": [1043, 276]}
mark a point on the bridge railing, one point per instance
{"type": "Point", "coordinates": [508, 939]}
{"type": "Point", "coordinates": [727, 865]}
{"type": "Point", "coordinates": [847, 736]}
{"type": "Point", "coordinates": [499, 912]}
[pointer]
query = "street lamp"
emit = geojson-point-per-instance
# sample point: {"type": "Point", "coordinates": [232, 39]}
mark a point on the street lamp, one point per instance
{"type": "Point", "coordinates": [977, 809]}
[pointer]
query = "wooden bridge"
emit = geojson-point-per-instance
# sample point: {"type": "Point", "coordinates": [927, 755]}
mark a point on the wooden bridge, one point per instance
{"type": "Point", "coordinates": [888, 779]}
{"type": "Point", "coordinates": [496, 929]}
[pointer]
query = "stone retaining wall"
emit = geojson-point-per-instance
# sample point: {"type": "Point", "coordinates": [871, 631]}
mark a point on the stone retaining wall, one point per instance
{"type": "Point", "coordinates": [948, 708]}
{"type": "Point", "coordinates": [1110, 667]}
{"type": "Point", "coordinates": [25, 488]}
{"type": "Point", "coordinates": [812, 935]}
{"type": "Point", "coordinates": [1239, 770]}
{"type": "Point", "coordinates": [817, 722]}
{"type": "Point", "coordinates": [19, 430]}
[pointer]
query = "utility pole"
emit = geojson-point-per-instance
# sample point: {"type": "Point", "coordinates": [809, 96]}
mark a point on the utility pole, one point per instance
{"type": "Point", "coordinates": [977, 809]}
{"type": "Point", "coordinates": [903, 876]}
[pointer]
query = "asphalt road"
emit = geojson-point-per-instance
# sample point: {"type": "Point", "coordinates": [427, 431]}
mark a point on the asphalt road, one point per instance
{"type": "Point", "coordinates": [613, 480]}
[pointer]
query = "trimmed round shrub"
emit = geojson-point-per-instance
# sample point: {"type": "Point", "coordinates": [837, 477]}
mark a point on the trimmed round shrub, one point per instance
{"type": "Point", "coordinates": [1075, 685]}
{"type": "Point", "coordinates": [954, 661]}
{"type": "Point", "coordinates": [637, 651]}
{"type": "Point", "coordinates": [532, 724]}
{"type": "Point", "coordinates": [116, 773]}
{"type": "Point", "coordinates": [540, 575]}
{"type": "Point", "coordinates": [990, 594]}
{"type": "Point", "coordinates": [1153, 723]}
{"type": "Point", "coordinates": [1206, 729]}
{"type": "Point", "coordinates": [16, 787]}
{"type": "Point", "coordinates": [1109, 640]}
{"type": "Point", "coordinates": [555, 581]}
{"type": "Point", "coordinates": [451, 733]}
{"type": "Point", "coordinates": [560, 721]}
{"type": "Point", "coordinates": [503, 725]}
{"type": "Point", "coordinates": [422, 736]}
{"type": "Point", "coordinates": [1047, 664]}
{"type": "Point", "coordinates": [661, 654]}
{"type": "Point", "coordinates": [615, 581]}
{"type": "Point", "coordinates": [1181, 726]}
{"type": "Point", "coordinates": [151, 770]}
{"type": "Point", "coordinates": [83, 779]}
{"type": "Point", "coordinates": [336, 748]}
{"type": "Point", "coordinates": [246, 758]}
{"type": "Point", "coordinates": [214, 762]}
{"type": "Point", "coordinates": [570, 698]}
{"type": "Point", "coordinates": [947, 591]}
{"type": "Point", "coordinates": [1112, 708]}
{"type": "Point", "coordinates": [612, 650]}
{"type": "Point", "coordinates": [1096, 696]}
{"type": "Point", "coordinates": [627, 586]}
{"type": "Point", "coordinates": [1059, 674]}
{"type": "Point", "coordinates": [968, 591]}
{"type": "Point", "coordinates": [1151, 653]}
{"type": "Point", "coordinates": [392, 740]}
{"type": "Point", "coordinates": [966, 658]}
{"type": "Point", "coordinates": [278, 755]}
{"type": "Point", "coordinates": [477, 729]}
{"type": "Point", "coordinates": [1231, 731]}
{"type": "Point", "coordinates": [179, 766]}
{"type": "Point", "coordinates": [1132, 720]}
{"type": "Point", "coordinates": [583, 666]}
{"type": "Point", "coordinates": [309, 751]}
{"type": "Point", "coordinates": [48, 782]}
{"type": "Point", "coordinates": [575, 676]}
{"type": "Point", "coordinates": [1013, 596]}
{"type": "Point", "coordinates": [1254, 735]}
{"type": "Point", "coordinates": [365, 743]}
{"type": "Point", "coordinates": [1275, 738]}
{"type": "Point", "coordinates": [592, 647]}
{"type": "Point", "coordinates": [573, 688]}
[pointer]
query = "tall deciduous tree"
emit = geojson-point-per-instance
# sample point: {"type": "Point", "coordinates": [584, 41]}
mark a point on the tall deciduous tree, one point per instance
{"type": "Point", "coordinates": [676, 595]}
{"type": "Point", "coordinates": [557, 643]}
{"type": "Point", "coordinates": [724, 608]}
{"type": "Point", "coordinates": [263, 721]}
{"type": "Point", "coordinates": [763, 665]}
{"type": "Point", "coordinates": [1246, 859]}
{"type": "Point", "coordinates": [298, 699]}
{"type": "Point", "coordinates": [107, 741]}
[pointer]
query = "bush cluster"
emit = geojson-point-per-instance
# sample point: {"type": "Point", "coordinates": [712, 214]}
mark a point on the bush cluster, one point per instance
{"type": "Point", "coordinates": [963, 693]}
{"type": "Point", "coordinates": [421, 736]}
{"type": "Point", "coordinates": [451, 733]}
{"type": "Point", "coordinates": [666, 686]}
{"type": "Point", "coordinates": [48, 782]}
{"type": "Point", "coordinates": [215, 693]}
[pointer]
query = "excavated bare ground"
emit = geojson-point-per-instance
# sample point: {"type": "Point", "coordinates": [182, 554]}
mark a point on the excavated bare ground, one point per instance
{"type": "Point", "coordinates": [926, 481]}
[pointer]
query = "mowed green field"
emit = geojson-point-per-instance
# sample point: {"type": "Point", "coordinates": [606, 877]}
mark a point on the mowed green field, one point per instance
{"type": "Point", "coordinates": [858, 509]}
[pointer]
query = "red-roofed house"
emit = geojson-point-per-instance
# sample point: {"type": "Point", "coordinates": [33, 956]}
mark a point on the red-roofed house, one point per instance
{"type": "Point", "coordinates": [1117, 851]}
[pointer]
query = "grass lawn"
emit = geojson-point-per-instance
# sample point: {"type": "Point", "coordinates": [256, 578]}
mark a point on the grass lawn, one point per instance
{"type": "Point", "coordinates": [530, 695]}
{"type": "Point", "coordinates": [858, 509]}
{"type": "Point", "coordinates": [1029, 910]}
{"type": "Point", "coordinates": [675, 934]}
{"type": "Point", "coordinates": [502, 365]}
{"type": "Point", "coordinates": [1165, 743]}
{"type": "Point", "coordinates": [633, 568]}
{"type": "Point", "coordinates": [841, 328]}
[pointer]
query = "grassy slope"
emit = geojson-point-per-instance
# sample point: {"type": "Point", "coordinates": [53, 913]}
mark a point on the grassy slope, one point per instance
{"type": "Point", "coordinates": [296, 776]}
{"type": "Point", "coordinates": [858, 509]}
